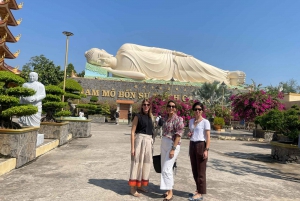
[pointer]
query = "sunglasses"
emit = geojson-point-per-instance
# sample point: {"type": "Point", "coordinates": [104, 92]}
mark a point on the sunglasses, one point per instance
{"type": "Point", "coordinates": [146, 105]}
{"type": "Point", "coordinates": [171, 106]}
{"type": "Point", "coordinates": [199, 109]}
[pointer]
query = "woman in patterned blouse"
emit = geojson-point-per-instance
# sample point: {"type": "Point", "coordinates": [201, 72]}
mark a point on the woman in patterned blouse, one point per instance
{"type": "Point", "coordinates": [170, 147]}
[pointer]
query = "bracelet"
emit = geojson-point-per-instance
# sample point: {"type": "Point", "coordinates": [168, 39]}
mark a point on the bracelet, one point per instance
{"type": "Point", "coordinates": [173, 148]}
{"type": "Point", "coordinates": [206, 149]}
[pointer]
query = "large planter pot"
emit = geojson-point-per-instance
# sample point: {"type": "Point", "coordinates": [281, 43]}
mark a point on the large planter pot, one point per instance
{"type": "Point", "coordinates": [260, 133]}
{"type": "Point", "coordinates": [97, 118]}
{"type": "Point", "coordinates": [286, 153]}
{"type": "Point", "coordinates": [52, 130]}
{"type": "Point", "coordinates": [79, 128]}
{"type": "Point", "coordinates": [19, 144]}
{"type": "Point", "coordinates": [217, 127]}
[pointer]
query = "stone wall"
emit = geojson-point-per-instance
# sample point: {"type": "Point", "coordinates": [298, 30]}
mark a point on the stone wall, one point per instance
{"type": "Point", "coordinates": [122, 89]}
{"type": "Point", "coordinates": [19, 144]}
{"type": "Point", "coordinates": [80, 128]}
{"type": "Point", "coordinates": [267, 135]}
{"type": "Point", "coordinates": [97, 118]}
{"type": "Point", "coordinates": [285, 153]}
{"type": "Point", "coordinates": [58, 131]}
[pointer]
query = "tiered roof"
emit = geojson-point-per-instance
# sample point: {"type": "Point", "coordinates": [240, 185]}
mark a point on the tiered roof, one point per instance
{"type": "Point", "coordinates": [7, 19]}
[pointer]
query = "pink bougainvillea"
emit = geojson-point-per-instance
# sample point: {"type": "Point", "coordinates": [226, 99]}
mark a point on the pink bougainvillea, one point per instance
{"type": "Point", "coordinates": [254, 103]}
{"type": "Point", "coordinates": [184, 108]}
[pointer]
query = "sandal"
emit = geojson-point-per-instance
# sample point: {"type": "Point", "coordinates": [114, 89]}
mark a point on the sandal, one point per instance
{"type": "Point", "coordinates": [164, 195]}
{"type": "Point", "coordinates": [142, 189]}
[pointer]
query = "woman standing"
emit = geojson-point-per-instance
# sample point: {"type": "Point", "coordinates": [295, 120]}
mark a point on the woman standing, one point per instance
{"type": "Point", "coordinates": [170, 147]}
{"type": "Point", "coordinates": [141, 149]}
{"type": "Point", "coordinates": [199, 146]}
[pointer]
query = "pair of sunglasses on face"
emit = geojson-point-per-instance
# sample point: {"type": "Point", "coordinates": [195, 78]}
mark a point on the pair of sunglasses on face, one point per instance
{"type": "Point", "coordinates": [199, 109]}
{"type": "Point", "coordinates": [146, 105]}
{"type": "Point", "coordinates": [171, 106]}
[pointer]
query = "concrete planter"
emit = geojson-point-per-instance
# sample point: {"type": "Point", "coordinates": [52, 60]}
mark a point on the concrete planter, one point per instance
{"type": "Point", "coordinates": [97, 118]}
{"type": "Point", "coordinates": [79, 128]}
{"type": "Point", "coordinates": [19, 144]}
{"type": "Point", "coordinates": [267, 135]}
{"type": "Point", "coordinates": [52, 130]}
{"type": "Point", "coordinates": [286, 153]}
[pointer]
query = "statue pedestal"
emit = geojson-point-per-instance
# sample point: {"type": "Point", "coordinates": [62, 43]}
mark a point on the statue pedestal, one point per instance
{"type": "Point", "coordinates": [40, 139]}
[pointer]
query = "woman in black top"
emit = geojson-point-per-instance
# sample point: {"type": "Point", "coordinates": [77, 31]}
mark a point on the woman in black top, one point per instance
{"type": "Point", "coordinates": [141, 149]}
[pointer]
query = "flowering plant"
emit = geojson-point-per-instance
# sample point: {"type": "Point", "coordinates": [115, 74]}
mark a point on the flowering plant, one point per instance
{"type": "Point", "coordinates": [254, 103]}
{"type": "Point", "coordinates": [184, 108]}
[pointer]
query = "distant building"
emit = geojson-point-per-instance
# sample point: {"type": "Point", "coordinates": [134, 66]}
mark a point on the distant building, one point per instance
{"type": "Point", "coordinates": [7, 19]}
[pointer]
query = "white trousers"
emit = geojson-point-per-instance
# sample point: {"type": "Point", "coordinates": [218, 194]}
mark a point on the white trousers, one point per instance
{"type": "Point", "coordinates": [166, 178]}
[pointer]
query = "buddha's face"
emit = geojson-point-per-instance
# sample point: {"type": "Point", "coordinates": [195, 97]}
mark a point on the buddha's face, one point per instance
{"type": "Point", "coordinates": [97, 56]}
{"type": "Point", "coordinates": [33, 77]}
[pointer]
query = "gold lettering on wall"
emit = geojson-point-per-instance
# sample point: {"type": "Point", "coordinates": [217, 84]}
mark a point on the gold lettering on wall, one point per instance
{"type": "Point", "coordinates": [95, 92]}
{"type": "Point", "coordinates": [176, 97]}
{"type": "Point", "coordinates": [87, 92]}
{"type": "Point", "coordinates": [105, 93]}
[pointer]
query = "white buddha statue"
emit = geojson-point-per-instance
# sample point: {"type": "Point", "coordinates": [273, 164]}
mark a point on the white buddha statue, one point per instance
{"type": "Point", "coordinates": [36, 100]}
{"type": "Point", "coordinates": [141, 62]}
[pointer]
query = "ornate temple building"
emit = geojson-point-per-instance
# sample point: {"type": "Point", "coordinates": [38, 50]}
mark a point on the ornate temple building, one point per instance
{"type": "Point", "coordinates": [7, 19]}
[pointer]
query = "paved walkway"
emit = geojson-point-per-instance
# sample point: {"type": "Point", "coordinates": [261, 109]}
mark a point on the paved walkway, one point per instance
{"type": "Point", "coordinates": [97, 168]}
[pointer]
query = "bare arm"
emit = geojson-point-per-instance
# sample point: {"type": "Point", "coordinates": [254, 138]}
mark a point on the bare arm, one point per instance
{"type": "Point", "coordinates": [133, 129]}
{"type": "Point", "coordinates": [207, 133]}
{"type": "Point", "coordinates": [176, 141]}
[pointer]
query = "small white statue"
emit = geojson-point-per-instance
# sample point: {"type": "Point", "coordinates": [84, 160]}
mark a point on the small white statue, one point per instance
{"type": "Point", "coordinates": [141, 62]}
{"type": "Point", "coordinates": [36, 100]}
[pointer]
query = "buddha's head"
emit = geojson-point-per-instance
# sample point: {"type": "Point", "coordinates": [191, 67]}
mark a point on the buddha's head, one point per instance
{"type": "Point", "coordinates": [98, 57]}
{"type": "Point", "coordinates": [33, 76]}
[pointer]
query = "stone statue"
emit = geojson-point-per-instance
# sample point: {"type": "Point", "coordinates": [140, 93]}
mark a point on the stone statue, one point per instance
{"type": "Point", "coordinates": [72, 108]}
{"type": "Point", "coordinates": [36, 100]}
{"type": "Point", "coordinates": [141, 62]}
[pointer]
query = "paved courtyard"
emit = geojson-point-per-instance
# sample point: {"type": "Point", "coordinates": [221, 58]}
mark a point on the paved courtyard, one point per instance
{"type": "Point", "coordinates": [97, 168]}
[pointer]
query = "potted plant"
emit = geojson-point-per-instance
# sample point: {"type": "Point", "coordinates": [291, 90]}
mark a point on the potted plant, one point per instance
{"type": "Point", "coordinates": [218, 123]}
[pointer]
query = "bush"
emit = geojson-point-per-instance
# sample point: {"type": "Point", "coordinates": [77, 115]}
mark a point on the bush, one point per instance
{"type": "Point", "coordinates": [9, 99]}
{"type": "Point", "coordinates": [219, 121]}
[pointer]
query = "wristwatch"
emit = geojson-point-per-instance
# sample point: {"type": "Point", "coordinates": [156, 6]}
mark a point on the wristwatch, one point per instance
{"type": "Point", "coordinates": [207, 149]}
{"type": "Point", "coordinates": [173, 148]}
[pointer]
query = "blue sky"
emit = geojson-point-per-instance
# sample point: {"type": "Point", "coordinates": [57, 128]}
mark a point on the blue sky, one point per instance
{"type": "Point", "coordinates": [261, 38]}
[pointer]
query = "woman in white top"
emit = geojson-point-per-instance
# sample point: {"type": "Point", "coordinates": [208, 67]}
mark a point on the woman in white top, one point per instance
{"type": "Point", "coordinates": [199, 145]}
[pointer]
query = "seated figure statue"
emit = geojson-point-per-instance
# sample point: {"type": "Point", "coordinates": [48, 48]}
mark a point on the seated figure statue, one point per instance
{"type": "Point", "coordinates": [36, 100]}
{"type": "Point", "coordinates": [141, 62]}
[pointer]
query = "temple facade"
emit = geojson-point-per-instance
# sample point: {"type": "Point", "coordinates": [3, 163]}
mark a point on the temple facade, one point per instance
{"type": "Point", "coordinates": [6, 20]}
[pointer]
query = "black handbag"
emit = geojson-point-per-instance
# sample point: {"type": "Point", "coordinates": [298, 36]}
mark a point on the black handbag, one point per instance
{"type": "Point", "coordinates": [157, 164]}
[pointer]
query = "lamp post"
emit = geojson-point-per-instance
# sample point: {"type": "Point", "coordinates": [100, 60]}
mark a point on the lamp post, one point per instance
{"type": "Point", "coordinates": [66, 33]}
{"type": "Point", "coordinates": [223, 85]}
{"type": "Point", "coordinates": [172, 80]}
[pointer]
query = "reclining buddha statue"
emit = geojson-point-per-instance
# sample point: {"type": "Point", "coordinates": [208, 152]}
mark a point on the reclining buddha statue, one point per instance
{"type": "Point", "coordinates": [141, 62]}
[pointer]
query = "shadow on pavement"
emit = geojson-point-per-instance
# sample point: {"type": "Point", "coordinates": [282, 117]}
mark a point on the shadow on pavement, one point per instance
{"type": "Point", "coordinates": [121, 187]}
{"type": "Point", "coordinates": [262, 145]}
{"type": "Point", "coordinates": [251, 156]}
{"type": "Point", "coordinates": [257, 169]}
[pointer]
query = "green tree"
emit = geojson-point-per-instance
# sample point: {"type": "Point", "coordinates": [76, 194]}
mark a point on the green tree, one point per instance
{"type": "Point", "coordinates": [48, 72]}
{"type": "Point", "coordinates": [52, 104]}
{"type": "Point", "coordinates": [69, 69]}
{"type": "Point", "coordinates": [291, 86]}
{"type": "Point", "coordinates": [81, 74]}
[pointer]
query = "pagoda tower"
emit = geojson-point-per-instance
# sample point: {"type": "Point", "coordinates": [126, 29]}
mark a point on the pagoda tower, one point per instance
{"type": "Point", "coordinates": [7, 19]}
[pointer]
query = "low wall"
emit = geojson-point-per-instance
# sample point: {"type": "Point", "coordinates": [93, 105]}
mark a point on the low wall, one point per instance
{"type": "Point", "coordinates": [58, 131]}
{"type": "Point", "coordinates": [285, 153]}
{"type": "Point", "coordinates": [267, 135]}
{"type": "Point", "coordinates": [19, 144]}
{"type": "Point", "coordinates": [97, 118]}
{"type": "Point", "coordinates": [79, 128]}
